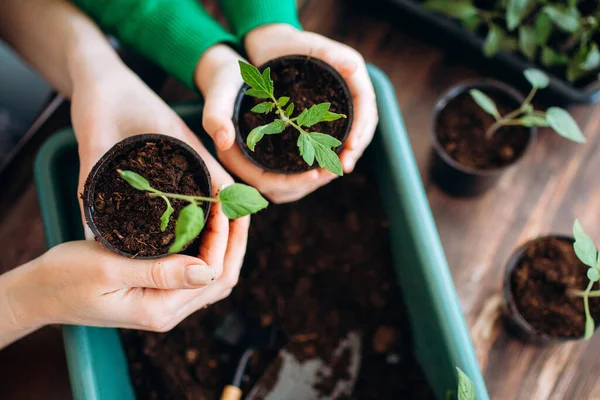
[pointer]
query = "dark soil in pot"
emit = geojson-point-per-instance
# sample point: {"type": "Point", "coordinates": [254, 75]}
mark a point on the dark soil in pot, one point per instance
{"type": "Point", "coordinates": [306, 81]}
{"type": "Point", "coordinates": [127, 220]}
{"type": "Point", "coordinates": [535, 288]}
{"type": "Point", "coordinates": [317, 268]}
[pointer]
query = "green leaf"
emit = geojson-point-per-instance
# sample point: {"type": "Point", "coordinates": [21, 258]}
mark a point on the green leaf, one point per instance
{"type": "Point", "coordinates": [472, 22]}
{"type": "Point", "coordinates": [593, 275]}
{"type": "Point", "coordinates": [258, 93]}
{"type": "Point", "coordinates": [551, 58]}
{"type": "Point", "coordinates": [313, 115]}
{"type": "Point", "coordinates": [527, 42]}
{"type": "Point", "coordinates": [485, 102]}
{"type": "Point", "coordinates": [263, 108]}
{"type": "Point", "coordinates": [516, 11]}
{"type": "Point", "coordinates": [576, 63]}
{"type": "Point", "coordinates": [532, 120]}
{"type": "Point", "coordinates": [302, 116]}
{"type": "Point", "coordinates": [590, 325]}
{"type": "Point", "coordinates": [325, 140]}
{"type": "Point", "coordinates": [267, 82]}
{"type": "Point", "coordinates": [466, 389]}
{"type": "Point", "coordinates": [567, 19]}
{"type": "Point", "coordinates": [584, 246]}
{"type": "Point", "coordinates": [543, 28]}
{"type": "Point", "coordinates": [239, 200]}
{"type": "Point", "coordinates": [562, 122]}
{"type": "Point", "coordinates": [164, 218]}
{"type": "Point", "coordinates": [331, 116]}
{"type": "Point", "coordinates": [592, 59]}
{"type": "Point", "coordinates": [493, 41]}
{"type": "Point", "coordinates": [189, 224]}
{"type": "Point", "coordinates": [307, 150]}
{"type": "Point", "coordinates": [459, 9]}
{"type": "Point", "coordinates": [282, 101]}
{"type": "Point", "coordinates": [289, 110]}
{"type": "Point", "coordinates": [327, 158]}
{"type": "Point", "coordinates": [536, 78]}
{"type": "Point", "coordinates": [135, 180]}
{"type": "Point", "coordinates": [274, 127]}
{"type": "Point", "coordinates": [259, 132]}
{"type": "Point", "coordinates": [251, 75]}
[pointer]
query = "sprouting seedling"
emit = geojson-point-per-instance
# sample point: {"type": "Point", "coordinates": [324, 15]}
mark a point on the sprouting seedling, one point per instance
{"type": "Point", "coordinates": [555, 117]}
{"type": "Point", "coordinates": [312, 145]}
{"type": "Point", "coordinates": [236, 200]}
{"type": "Point", "coordinates": [465, 390]}
{"type": "Point", "coordinates": [586, 251]}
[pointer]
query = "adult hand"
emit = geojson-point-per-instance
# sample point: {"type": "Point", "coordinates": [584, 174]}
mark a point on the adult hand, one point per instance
{"type": "Point", "coordinates": [275, 40]}
{"type": "Point", "coordinates": [218, 78]}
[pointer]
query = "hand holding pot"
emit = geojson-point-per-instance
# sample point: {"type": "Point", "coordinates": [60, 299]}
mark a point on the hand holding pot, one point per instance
{"type": "Point", "coordinates": [84, 283]}
{"type": "Point", "coordinates": [275, 40]}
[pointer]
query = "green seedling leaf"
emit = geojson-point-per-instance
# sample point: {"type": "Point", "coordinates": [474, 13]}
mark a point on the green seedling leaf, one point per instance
{"type": "Point", "coordinates": [485, 102]}
{"type": "Point", "coordinates": [593, 275]}
{"type": "Point", "coordinates": [331, 116]}
{"type": "Point", "coordinates": [472, 22]}
{"type": "Point", "coordinates": [493, 41]}
{"type": "Point", "coordinates": [325, 140]}
{"type": "Point", "coordinates": [527, 42]}
{"type": "Point", "coordinates": [516, 11]}
{"type": "Point", "coordinates": [314, 114]}
{"type": "Point", "coordinates": [251, 75]}
{"type": "Point", "coordinates": [259, 132]}
{"type": "Point", "coordinates": [459, 9]}
{"type": "Point", "coordinates": [543, 28]}
{"type": "Point", "coordinates": [536, 78]}
{"type": "Point", "coordinates": [562, 122]}
{"type": "Point", "coordinates": [258, 93]}
{"type": "Point", "coordinates": [566, 18]}
{"type": "Point", "coordinates": [551, 58]}
{"type": "Point", "coordinates": [282, 101]}
{"type": "Point", "coordinates": [135, 180]}
{"type": "Point", "coordinates": [239, 200]}
{"type": "Point", "coordinates": [267, 82]}
{"type": "Point", "coordinates": [289, 110]}
{"type": "Point", "coordinates": [584, 246]}
{"type": "Point", "coordinates": [307, 150]}
{"type": "Point", "coordinates": [592, 59]}
{"type": "Point", "coordinates": [263, 108]}
{"type": "Point", "coordinates": [164, 219]}
{"type": "Point", "coordinates": [466, 389]}
{"type": "Point", "coordinates": [328, 159]}
{"type": "Point", "coordinates": [590, 325]}
{"type": "Point", "coordinates": [189, 224]}
{"type": "Point", "coordinates": [532, 120]}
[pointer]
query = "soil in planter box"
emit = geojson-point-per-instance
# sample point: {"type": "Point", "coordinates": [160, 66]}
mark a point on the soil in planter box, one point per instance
{"type": "Point", "coordinates": [539, 285]}
{"type": "Point", "coordinates": [305, 84]}
{"type": "Point", "coordinates": [317, 268]}
{"type": "Point", "coordinates": [128, 218]}
{"type": "Point", "coordinates": [461, 128]}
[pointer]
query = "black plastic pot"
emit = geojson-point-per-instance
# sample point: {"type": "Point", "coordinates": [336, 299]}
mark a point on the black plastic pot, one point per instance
{"type": "Point", "coordinates": [124, 146]}
{"type": "Point", "coordinates": [274, 65]}
{"type": "Point", "coordinates": [515, 322]}
{"type": "Point", "coordinates": [453, 177]}
{"type": "Point", "coordinates": [509, 66]}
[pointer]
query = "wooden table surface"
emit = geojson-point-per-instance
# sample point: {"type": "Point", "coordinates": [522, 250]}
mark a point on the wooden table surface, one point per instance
{"type": "Point", "coordinates": [554, 184]}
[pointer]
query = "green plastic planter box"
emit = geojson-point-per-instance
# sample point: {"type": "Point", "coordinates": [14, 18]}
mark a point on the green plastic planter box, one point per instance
{"type": "Point", "coordinates": [97, 364]}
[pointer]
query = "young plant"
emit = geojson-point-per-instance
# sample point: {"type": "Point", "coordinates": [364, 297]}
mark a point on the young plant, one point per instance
{"type": "Point", "coordinates": [236, 200]}
{"type": "Point", "coordinates": [555, 117]}
{"type": "Point", "coordinates": [466, 389]}
{"type": "Point", "coordinates": [586, 251]}
{"type": "Point", "coordinates": [312, 145]}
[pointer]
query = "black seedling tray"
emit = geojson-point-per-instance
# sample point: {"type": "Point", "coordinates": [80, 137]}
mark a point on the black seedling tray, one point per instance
{"type": "Point", "coordinates": [506, 66]}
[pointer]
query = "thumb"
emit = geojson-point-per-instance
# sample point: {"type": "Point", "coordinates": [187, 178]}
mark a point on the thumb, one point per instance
{"type": "Point", "coordinates": [217, 114]}
{"type": "Point", "coordinates": [173, 272]}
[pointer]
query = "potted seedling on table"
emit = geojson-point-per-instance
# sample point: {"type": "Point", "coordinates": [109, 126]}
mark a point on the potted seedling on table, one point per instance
{"type": "Point", "coordinates": [482, 128]}
{"type": "Point", "coordinates": [549, 288]}
{"type": "Point", "coordinates": [149, 196]}
{"type": "Point", "coordinates": [293, 114]}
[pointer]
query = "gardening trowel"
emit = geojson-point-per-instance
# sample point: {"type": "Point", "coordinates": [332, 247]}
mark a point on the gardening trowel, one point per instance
{"type": "Point", "coordinates": [290, 379]}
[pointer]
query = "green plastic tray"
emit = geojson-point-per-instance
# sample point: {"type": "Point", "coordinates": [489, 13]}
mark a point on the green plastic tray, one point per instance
{"type": "Point", "coordinates": [97, 364]}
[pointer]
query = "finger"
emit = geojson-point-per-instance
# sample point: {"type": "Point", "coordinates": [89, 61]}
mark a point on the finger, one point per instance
{"type": "Point", "coordinates": [218, 111]}
{"type": "Point", "coordinates": [215, 238]}
{"type": "Point", "coordinates": [174, 272]}
{"type": "Point", "coordinates": [236, 249]}
{"type": "Point", "coordinates": [349, 157]}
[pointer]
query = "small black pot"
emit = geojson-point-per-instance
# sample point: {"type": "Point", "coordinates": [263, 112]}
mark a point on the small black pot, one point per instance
{"type": "Point", "coordinates": [125, 146]}
{"type": "Point", "coordinates": [515, 322]}
{"type": "Point", "coordinates": [274, 65]}
{"type": "Point", "coordinates": [450, 175]}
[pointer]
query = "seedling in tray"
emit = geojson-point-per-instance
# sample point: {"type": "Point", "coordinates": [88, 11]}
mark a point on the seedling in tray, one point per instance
{"type": "Point", "coordinates": [312, 145]}
{"type": "Point", "coordinates": [555, 117]}
{"type": "Point", "coordinates": [236, 201]}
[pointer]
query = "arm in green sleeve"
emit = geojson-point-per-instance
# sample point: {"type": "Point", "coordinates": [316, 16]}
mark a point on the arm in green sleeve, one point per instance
{"type": "Point", "coordinates": [245, 15]}
{"type": "Point", "coordinates": [172, 33]}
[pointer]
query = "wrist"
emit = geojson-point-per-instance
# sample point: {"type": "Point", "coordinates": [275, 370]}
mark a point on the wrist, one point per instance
{"type": "Point", "coordinates": [256, 38]}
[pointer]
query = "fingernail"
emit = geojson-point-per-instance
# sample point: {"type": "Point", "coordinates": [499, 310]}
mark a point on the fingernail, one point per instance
{"type": "Point", "coordinates": [348, 67]}
{"type": "Point", "coordinates": [200, 275]}
{"type": "Point", "coordinates": [222, 139]}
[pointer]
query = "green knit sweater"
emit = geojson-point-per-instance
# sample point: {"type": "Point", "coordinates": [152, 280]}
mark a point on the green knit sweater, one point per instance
{"type": "Point", "coordinates": [175, 33]}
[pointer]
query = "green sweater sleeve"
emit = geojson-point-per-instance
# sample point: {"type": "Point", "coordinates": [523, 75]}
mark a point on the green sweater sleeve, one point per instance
{"type": "Point", "coordinates": [245, 15]}
{"type": "Point", "coordinates": [172, 33]}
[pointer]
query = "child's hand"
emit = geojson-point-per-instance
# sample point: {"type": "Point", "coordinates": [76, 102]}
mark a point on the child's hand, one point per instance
{"type": "Point", "coordinates": [276, 40]}
{"type": "Point", "coordinates": [85, 284]}
{"type": "Point", "coordinates": [218, 78]}
{"type": "Point", "coordinates": [107, 109]}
